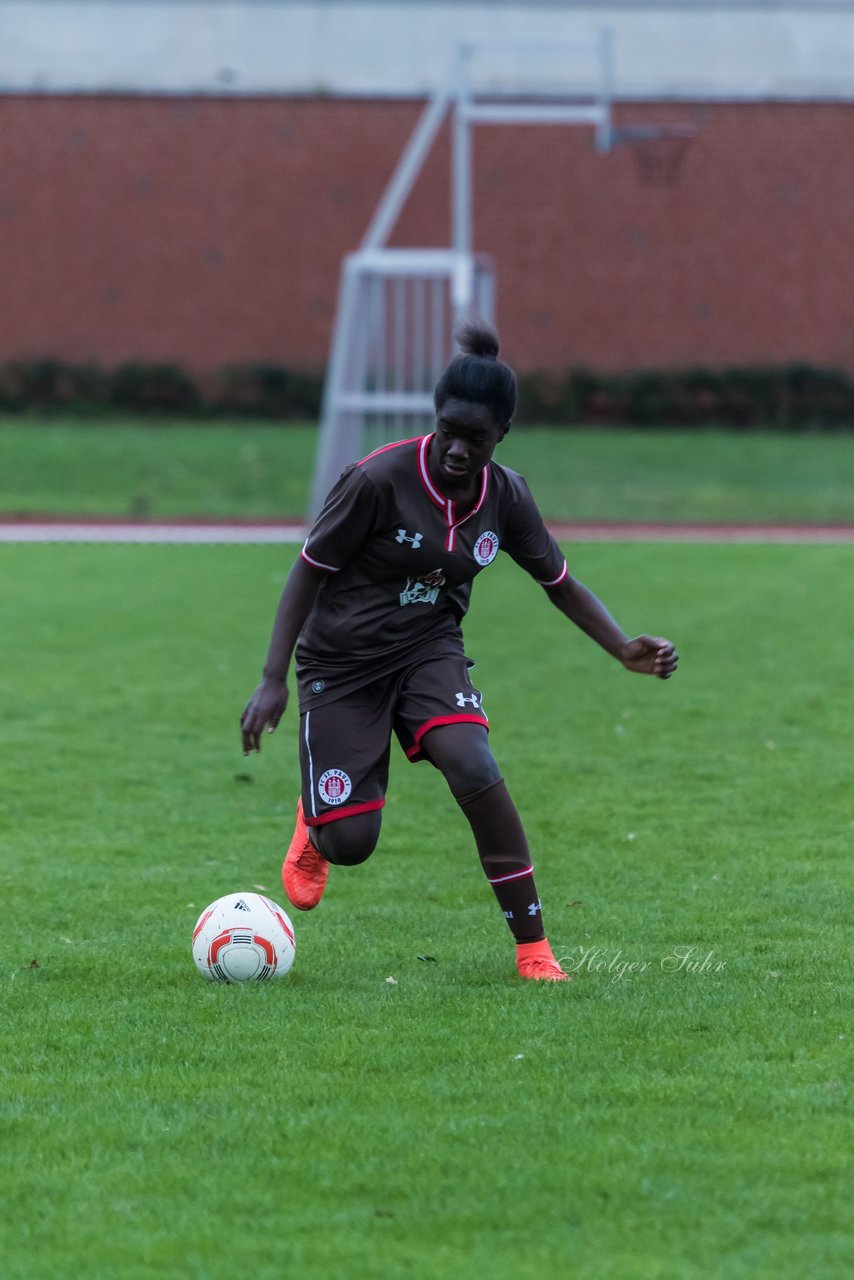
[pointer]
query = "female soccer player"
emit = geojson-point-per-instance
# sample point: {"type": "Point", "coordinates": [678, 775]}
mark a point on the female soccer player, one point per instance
{"type": "Point", "coordinates": [373, 607]}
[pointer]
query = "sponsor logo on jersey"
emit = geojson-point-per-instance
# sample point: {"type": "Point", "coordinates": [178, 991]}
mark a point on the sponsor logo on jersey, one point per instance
{"type": "Point", "coordinates": [486, 547]}
{"type": "Point", "coordinates": [414, 539]}
{"type": "Point", "coordinates": [423, 590]}
{"type": "Point", "coordinates": [334, 786]}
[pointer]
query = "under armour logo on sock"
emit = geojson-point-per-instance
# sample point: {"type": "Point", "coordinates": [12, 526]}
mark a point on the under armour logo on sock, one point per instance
{"type": "Point", "coordinates": [534, 908]}
{"type": "Point", "coordinates": [508, 915]}
{"type": "Point", "coordinates": [403, 536]}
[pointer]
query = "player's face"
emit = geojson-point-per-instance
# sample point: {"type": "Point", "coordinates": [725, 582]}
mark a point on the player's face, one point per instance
{"type": "Point", "coordinates": [465, 440]}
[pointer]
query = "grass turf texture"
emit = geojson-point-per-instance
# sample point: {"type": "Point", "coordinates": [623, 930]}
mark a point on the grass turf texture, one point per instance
{"type": "Point", "coordinates": [248, 469]}
{"type": "Point", "coordinates": [460, 1122]}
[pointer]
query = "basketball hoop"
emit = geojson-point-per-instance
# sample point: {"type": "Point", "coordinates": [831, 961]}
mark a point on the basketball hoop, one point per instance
{"type": "Point", "coordinates": [659, 151]}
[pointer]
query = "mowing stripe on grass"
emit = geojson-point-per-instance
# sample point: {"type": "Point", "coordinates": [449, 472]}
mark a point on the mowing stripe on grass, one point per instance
{"type": "Point", "coordinates": [271, 532]}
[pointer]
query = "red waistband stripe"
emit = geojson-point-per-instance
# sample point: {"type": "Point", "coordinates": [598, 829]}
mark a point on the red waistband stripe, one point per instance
{"type": "Point", "coordinates": [348, 811]}
{"type": "Point", "coordinates": [437, 721]}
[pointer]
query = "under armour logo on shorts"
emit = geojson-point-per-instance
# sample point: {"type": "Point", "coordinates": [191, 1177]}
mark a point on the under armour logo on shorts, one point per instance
{"type": "Point", "coordinates": [472, 698]}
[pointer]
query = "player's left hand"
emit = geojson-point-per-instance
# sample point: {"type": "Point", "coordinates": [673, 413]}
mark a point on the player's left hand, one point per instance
{"type": "Point", "coordinates": [651, 656]}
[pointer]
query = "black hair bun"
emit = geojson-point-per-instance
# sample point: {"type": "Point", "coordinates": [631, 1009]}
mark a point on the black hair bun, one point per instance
{"type": "Point", "coordinates": [477, 375]}
{"type": "Point", "coordinates": [478, 339]}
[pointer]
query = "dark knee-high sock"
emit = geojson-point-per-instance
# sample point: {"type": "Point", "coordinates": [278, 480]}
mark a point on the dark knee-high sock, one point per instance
{"type": "Point", "coordinates": [505, 858]}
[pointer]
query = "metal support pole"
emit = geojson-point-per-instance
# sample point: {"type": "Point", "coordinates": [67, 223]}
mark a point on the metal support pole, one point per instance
{"type": "Point", "coordinates": [408, 168]}
{"type": "Point", "coordinates": [461, 187]}
{"type": "Point", "coordinates": [605, 97]}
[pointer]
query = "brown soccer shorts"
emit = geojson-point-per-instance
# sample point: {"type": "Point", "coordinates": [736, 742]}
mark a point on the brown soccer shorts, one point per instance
{"type": "Point", "coordinates": [345, 745]}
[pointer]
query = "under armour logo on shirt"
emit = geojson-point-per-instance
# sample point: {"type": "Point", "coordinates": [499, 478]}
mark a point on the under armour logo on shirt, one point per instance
{"type": "Point", "coordinates": [462, 700]}
{"type": "Point", "coordinates": [415, 540]}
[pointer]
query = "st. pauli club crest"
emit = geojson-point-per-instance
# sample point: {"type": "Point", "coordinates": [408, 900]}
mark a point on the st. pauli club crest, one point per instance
{"type": "Point", "coordinates": [486, 548]}
{"type": "Point", "coordinates": [334, 786]}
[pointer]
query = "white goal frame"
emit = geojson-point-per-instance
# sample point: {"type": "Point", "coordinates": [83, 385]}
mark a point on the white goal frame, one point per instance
{"type": "Point", "coordinates": [398, 309]}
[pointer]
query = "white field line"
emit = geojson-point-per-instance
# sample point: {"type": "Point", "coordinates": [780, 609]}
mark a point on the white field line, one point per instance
{"type": "Point", "coordinates": [644, 531]}
{"type": "Point", "coordinates": [102, 531]}
{"type": "Point", "coordinates": [190, 533]}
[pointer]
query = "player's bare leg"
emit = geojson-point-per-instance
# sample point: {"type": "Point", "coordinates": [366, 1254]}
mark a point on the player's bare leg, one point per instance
{"type": "Point", "coordinates": [462, 753]}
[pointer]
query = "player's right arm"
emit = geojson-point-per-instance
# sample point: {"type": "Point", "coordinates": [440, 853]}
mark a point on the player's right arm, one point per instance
{"type": "Point", "coordinates": [348, 517]}
{"type": "Point", "coordinates": [267, 705]}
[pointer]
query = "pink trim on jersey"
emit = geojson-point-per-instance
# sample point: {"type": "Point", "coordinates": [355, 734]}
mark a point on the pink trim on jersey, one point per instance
{"type": "Point", "coordinates": [415, 750]}
{"type": "Point", "coordinates": [346, 812]}
{"type": "Point", "coordinates": [316, 564]}
{"type": "Point", "coordinates": [395, 444]}
{"type": "Point", "coordinates": [514, 875]}
{"type": "Point", "coordinates": [423, 471]}
{"type": "Point", "coordinates": [564, 573]}
{"type": "Point", "coordinates": [440, 500]}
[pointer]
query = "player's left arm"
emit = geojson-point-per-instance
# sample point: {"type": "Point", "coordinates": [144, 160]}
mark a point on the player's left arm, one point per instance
{"type": "Point", "coordinates": [531, 545]}
{"type": "Point", "coordinates": [649, 655]}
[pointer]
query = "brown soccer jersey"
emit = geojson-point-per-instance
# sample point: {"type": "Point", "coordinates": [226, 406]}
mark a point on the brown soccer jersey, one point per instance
{"type": "Point", "coordinates": [401, 563]}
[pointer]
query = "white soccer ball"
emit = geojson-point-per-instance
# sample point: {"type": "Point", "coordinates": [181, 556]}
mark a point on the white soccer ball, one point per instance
{"type": "Point", "coordinates": [243, 937]}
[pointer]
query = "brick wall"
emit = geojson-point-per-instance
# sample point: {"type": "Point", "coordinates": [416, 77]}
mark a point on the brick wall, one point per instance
{"type": "Point", "coordinates": [210, 231]}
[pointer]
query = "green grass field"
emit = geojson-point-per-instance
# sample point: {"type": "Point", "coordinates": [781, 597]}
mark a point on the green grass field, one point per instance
{"type": "Point", "coordinates": [129, 468]}
{"type": "Point", "coordinates": [663, 1123]}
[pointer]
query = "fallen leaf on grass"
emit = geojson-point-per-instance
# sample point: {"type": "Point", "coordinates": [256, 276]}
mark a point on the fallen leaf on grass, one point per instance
{"type": "Point", "coordinates": [392, 982]}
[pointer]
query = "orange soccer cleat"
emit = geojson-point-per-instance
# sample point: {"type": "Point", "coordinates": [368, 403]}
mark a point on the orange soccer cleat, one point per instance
{"type": "Point", "coordinates": [535, 960]}
{"type": "Point", "coordinates": [304, 870]}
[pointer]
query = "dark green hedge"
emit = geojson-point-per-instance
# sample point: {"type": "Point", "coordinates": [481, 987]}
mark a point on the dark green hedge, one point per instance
{"type": "Point", "coordinates": [258, 390]}
{"type": "Point", "coordinates": [788, 397]}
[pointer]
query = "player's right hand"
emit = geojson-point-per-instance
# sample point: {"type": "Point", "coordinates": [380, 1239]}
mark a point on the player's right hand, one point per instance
{"type": "Point", "coordinates": [263, 711]}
